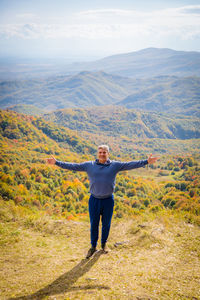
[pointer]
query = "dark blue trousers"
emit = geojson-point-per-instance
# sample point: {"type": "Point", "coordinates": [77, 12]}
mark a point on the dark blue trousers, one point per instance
{"type": "Point", "coordinates": [97, 208]}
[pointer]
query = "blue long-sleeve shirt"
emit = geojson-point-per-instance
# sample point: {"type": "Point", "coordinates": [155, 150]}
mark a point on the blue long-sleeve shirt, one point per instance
{"type": "Point", "coordinates": [102, 176]}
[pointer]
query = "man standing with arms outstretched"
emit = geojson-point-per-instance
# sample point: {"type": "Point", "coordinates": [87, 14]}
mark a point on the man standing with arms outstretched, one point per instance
{"type": "Point", "coordinates": [102, 173]}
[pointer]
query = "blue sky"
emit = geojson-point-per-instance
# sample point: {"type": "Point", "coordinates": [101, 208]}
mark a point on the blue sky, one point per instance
{"type": "Point", "coordinates": [84, 30]}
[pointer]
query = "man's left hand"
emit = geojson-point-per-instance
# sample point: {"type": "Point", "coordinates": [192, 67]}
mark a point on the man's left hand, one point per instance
{"type": "Point", "coordinates": [152, 159]}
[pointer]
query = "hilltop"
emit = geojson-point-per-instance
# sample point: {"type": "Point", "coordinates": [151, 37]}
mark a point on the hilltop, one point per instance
{"type": "Point", "coordinates": [152, 256]}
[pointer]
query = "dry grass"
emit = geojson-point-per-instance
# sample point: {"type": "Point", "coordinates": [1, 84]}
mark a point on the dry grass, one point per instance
{"type": "Point", "coordinates": [151, 257]}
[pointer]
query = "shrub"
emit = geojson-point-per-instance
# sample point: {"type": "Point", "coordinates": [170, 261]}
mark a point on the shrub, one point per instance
{"type": "Point", "coordinates": [146, 202]}
{"type": "Point", "coordinates": [155, 208]}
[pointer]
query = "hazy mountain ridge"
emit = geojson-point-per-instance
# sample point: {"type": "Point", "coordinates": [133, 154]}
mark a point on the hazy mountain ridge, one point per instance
{"type": "Point", "coordinates": [149, 62]}
{"type": "Point", "coordinates": [146, 63]}
{"type": "Point", "coordinates": [83, 89]}
{"type": "Point", "coordinates": [165, 93]}
{"type": "Point", "coordinates": [180, 95]}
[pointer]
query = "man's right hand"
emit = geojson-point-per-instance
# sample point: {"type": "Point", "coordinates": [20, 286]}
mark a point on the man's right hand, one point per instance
{"type": "Point", "coordinates": [51, 160]}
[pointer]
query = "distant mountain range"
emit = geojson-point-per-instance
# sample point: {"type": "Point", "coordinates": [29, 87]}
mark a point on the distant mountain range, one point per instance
{"type": "Point", "coordinates": [171, 95]}
{"type": "Point", "coordinates": [168, 94]}
{"type": "Point", "coordinates": [146, 63]}
{"type": "Point", "coordinates": [83, 89]}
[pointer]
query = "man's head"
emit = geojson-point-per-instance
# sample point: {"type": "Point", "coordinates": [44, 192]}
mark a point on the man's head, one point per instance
{"type": "Point", "coordinates": [103, 153]}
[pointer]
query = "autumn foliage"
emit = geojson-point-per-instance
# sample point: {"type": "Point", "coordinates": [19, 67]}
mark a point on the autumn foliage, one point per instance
{"type": "Point", "coordinates": [27, 180]}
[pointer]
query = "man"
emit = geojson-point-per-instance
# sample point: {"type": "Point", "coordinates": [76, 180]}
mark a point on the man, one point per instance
{"type": "Point", "coordinates": [102, 173]}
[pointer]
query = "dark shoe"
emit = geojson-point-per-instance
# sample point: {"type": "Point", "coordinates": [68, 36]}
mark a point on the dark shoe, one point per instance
{"type": "Point", "coordinates": [91, 252]}
{"type": "Point", "coordinates": [104, 248]}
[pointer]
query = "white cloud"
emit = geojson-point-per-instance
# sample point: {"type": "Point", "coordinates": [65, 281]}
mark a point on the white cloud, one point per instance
{"type": "Point", "coordinates": [190, 9]}
{"type": "Point", "coordinates": [109, 13]}
{"type": "Point", "coordinates": [183, 22]}
{"type": "Point", "coordinates": [26, 16]}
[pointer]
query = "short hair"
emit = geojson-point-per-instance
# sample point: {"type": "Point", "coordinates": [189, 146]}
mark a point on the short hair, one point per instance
{"type": "Point", "coordinates": [105, 147]}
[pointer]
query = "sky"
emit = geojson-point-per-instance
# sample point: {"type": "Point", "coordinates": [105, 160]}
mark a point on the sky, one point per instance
{"type": "Point", "coordinates": [85, 30]}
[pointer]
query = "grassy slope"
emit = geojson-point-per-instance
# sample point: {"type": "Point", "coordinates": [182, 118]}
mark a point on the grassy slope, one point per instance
{"type": "Point", "coordinates": [44, 259]}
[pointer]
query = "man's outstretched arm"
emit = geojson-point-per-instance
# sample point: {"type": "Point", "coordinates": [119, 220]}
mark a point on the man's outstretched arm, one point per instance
{"type": "Point", "coordinates": [136, 164]}
{"type": "Point", "coordinates": [66, 165]}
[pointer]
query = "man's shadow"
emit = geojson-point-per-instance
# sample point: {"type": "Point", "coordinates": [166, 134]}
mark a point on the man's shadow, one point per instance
{"type": "Point", "coordinates": [64, 282]}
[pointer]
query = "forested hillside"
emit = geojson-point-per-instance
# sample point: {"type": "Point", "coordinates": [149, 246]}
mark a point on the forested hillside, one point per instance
{"type": "Point", "coordinates": [168, 94]}
{"type": "Point", "coordinates": [180, 96]}
{"type": "Point", "coordinates": [119, 121]}
{"type": "Point", "coordinates": [25, 143]}
{"type": "Point", "coordinates": [83, 89]}
{"type": "Point", "coordinates": [28, 182]}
